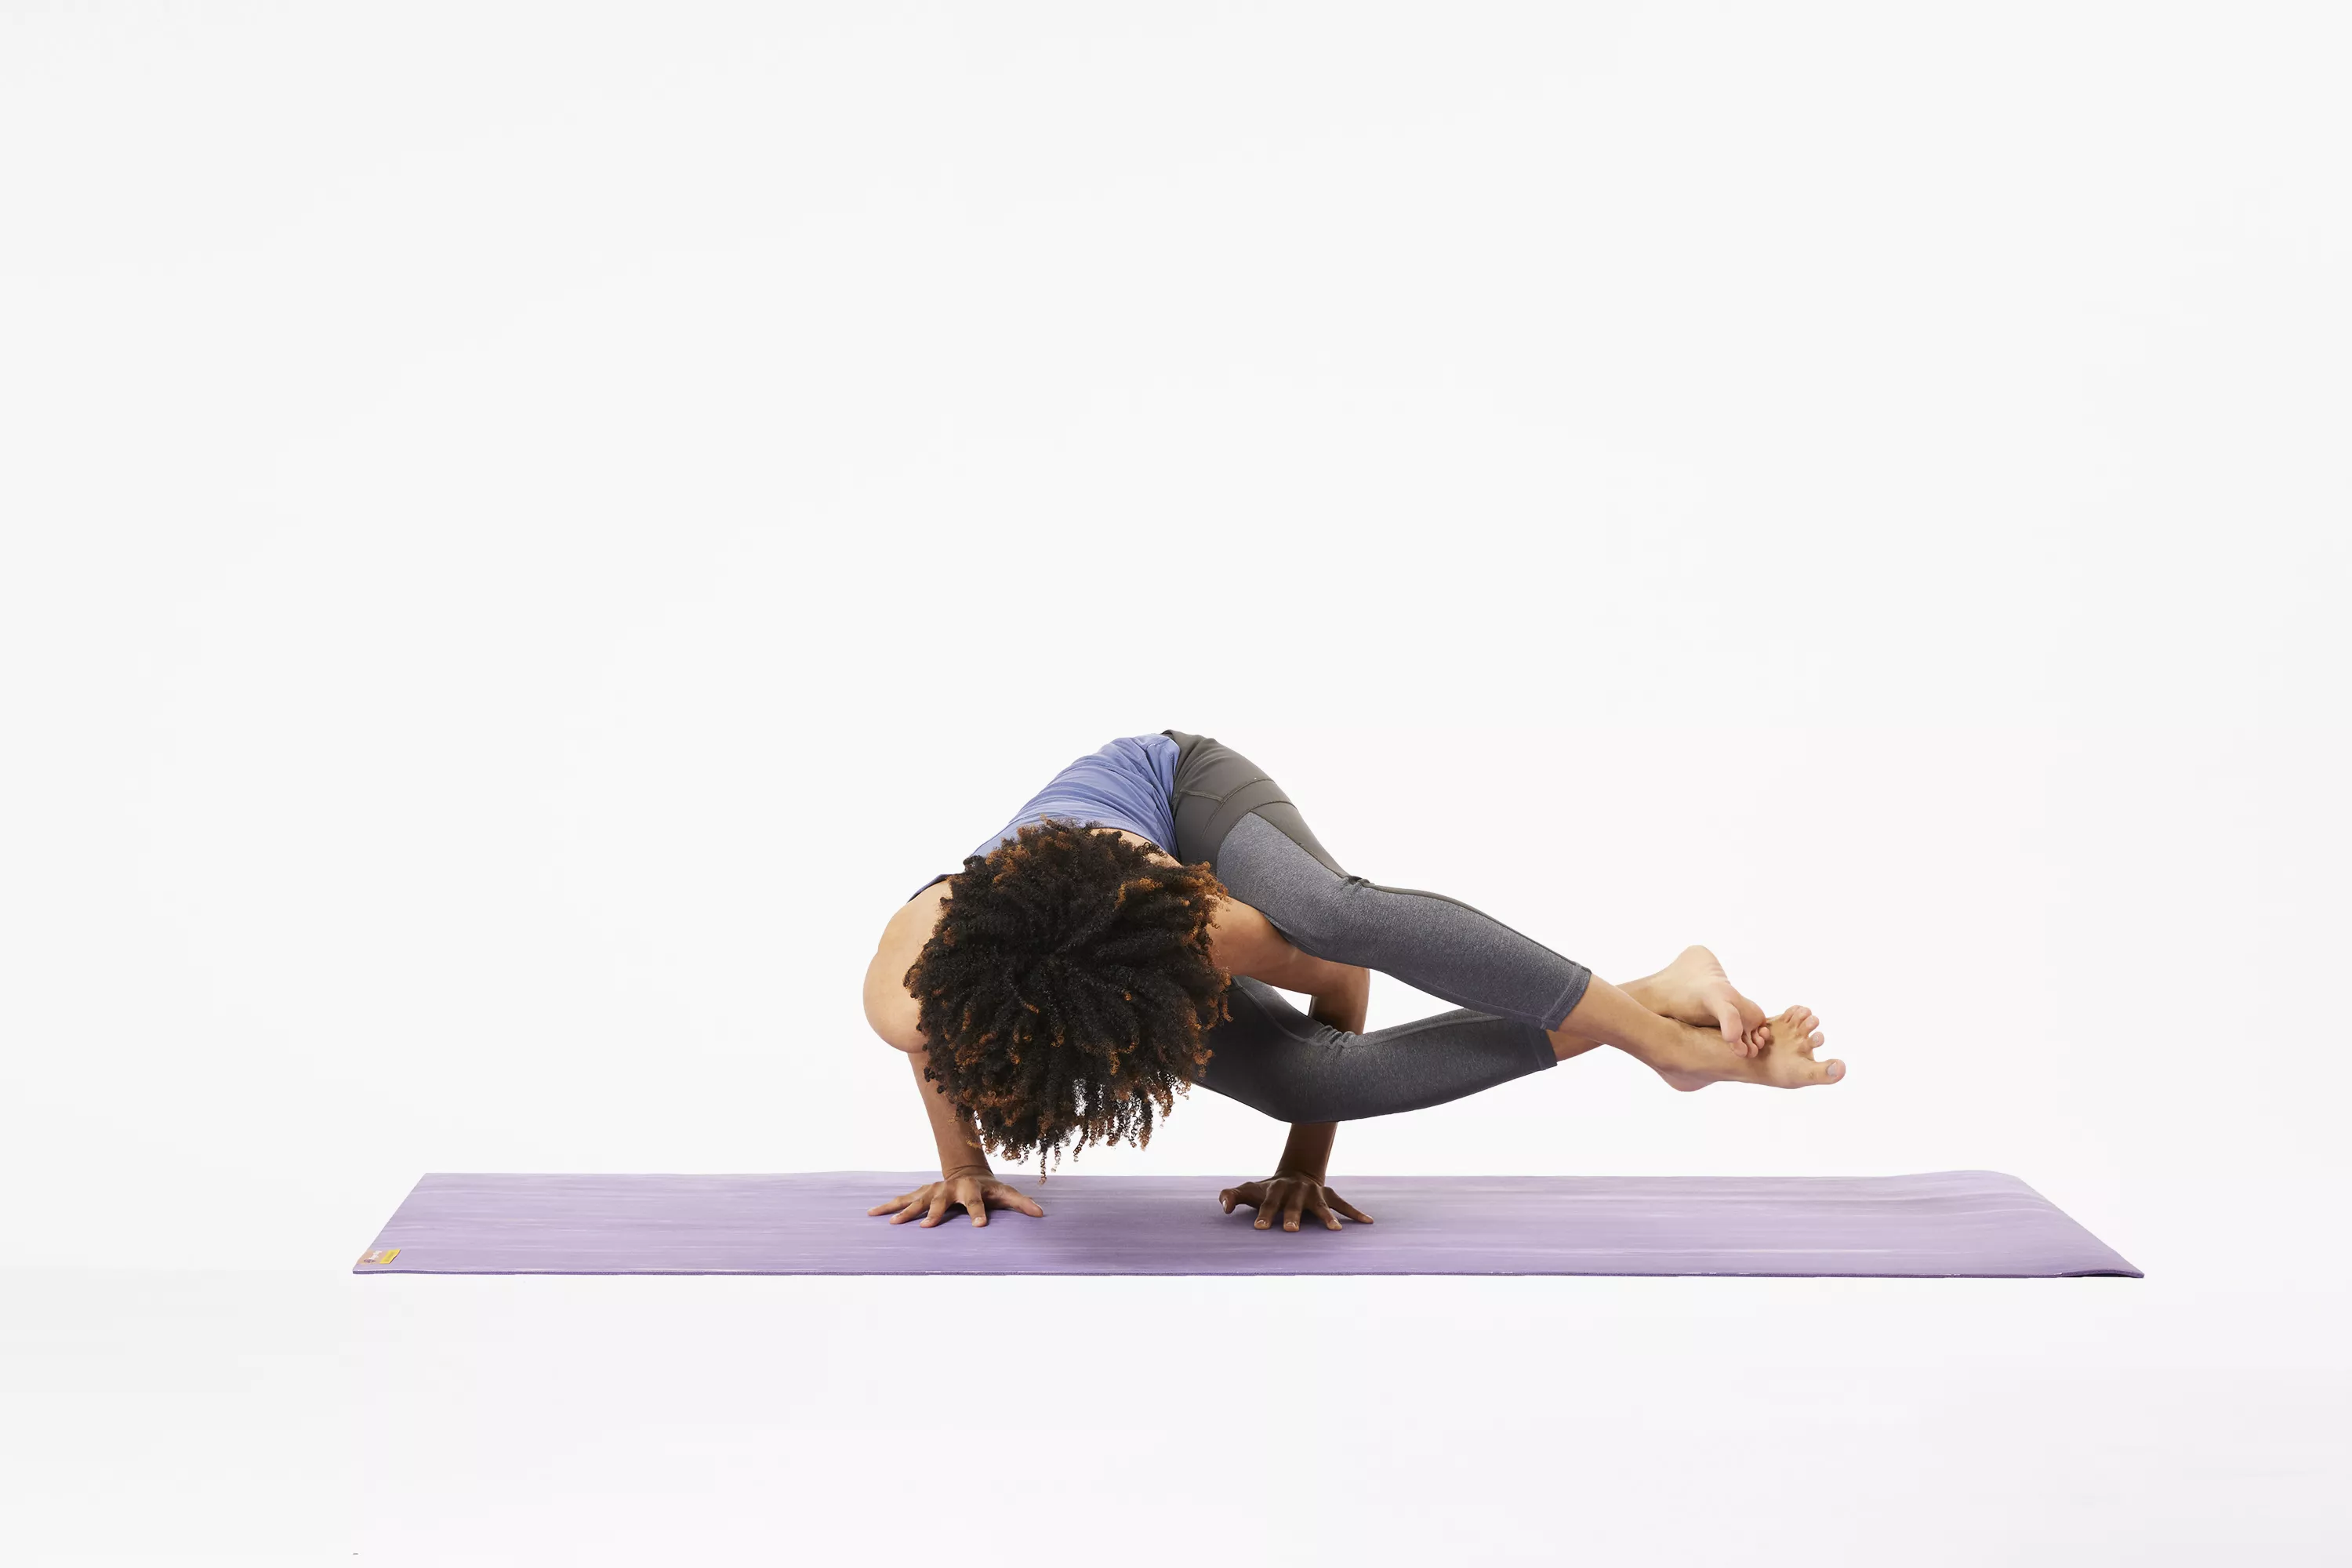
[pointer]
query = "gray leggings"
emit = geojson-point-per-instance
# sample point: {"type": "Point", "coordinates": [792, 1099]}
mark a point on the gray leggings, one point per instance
{"type": "Point", "coordinates": [1275, 1058]}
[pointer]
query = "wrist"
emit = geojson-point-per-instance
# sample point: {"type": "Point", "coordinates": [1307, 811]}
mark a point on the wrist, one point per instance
{"type": "Point", "coordinates": [949, 1173]}
{"type": "Point", "coordinates": [1308, 1150]}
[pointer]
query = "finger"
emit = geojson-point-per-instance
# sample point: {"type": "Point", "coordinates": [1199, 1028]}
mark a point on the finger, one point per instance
{"type": "Point", "coordinates": [909, 1212]}
{"type": "Point", "coordinates": [886, 1205]}
{"type": "Point", "coordinates": [1345, 1207]}
{"type": "Point", "coordinates": [1248, 1195]}
{"type": "Point", "coordinates": [1291, 1207]}
{"type": "Point", "coordinates": [1322, 1211]}
{"type": "Point", "coordinates": [938, 1208]}
{"type": "Point", "coordinates": [1726, 1019]}
{"type": "Point", "coordinates": [1008, 1197]}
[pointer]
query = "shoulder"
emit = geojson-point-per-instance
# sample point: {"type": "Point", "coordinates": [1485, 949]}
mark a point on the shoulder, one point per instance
{"type": "Point", "coordinates": [889, 1007]}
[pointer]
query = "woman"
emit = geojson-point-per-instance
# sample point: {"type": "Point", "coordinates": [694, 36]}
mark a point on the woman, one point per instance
{"type": "Point", "coordinates": [1128, 933]}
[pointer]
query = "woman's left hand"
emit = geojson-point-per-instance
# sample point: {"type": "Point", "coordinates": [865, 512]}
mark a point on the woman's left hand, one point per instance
{"type": "Point", "coordinates": [1290, 1194]}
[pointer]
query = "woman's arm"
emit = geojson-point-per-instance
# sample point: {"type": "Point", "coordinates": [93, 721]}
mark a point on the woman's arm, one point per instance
{"type": "Point", "coordinates": [965, 1181]}
{"type": "Point", "coordinates": [1244, 942]}
{"type": "Point", "coordinates": [1339, 996]}
{"type": "Point", "coordinates": [952, 1132]}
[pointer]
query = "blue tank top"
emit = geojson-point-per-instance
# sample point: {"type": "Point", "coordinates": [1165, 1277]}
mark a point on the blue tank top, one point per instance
{"type": "Point", "coordinates": [1130, 783]}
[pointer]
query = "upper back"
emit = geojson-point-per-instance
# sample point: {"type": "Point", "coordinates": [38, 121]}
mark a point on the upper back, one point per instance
{"type": "Point", "coordinates": [1129, 783]}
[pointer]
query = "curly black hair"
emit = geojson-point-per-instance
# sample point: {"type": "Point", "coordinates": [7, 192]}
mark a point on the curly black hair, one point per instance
{"type": "Point", "coordinates": [1066, 989]}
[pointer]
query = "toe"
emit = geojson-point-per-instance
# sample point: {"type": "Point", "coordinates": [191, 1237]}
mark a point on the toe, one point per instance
{"type": "Point", "coordinates": [1832, 1070]}
{"type": "Point", "coordinates": [1752, 1016]}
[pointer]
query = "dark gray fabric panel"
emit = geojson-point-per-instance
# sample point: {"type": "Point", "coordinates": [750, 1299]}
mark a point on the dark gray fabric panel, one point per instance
{"type": "Point", "coordinates": [1216, 786]}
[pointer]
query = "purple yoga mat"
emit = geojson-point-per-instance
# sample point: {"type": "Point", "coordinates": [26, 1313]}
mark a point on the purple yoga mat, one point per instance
{"type": "Point", "coordinates": [1948, 1224]}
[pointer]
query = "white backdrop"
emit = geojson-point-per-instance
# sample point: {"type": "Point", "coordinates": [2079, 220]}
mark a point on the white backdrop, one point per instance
{"type": "Point", "coordinates": [529, 528]}
{"type": "Point", "coordinates": [527, 534]}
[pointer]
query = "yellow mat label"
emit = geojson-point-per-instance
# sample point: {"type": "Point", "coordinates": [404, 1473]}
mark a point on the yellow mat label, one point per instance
{"type": "Point", "coordinates": [381, 1255]}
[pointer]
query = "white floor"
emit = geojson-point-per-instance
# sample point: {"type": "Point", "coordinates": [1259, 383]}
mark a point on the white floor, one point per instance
{"type": "Point", "coordinates": [257, 1417]}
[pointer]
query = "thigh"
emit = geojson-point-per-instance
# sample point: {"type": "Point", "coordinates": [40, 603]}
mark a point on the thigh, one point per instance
{"type": "Point", "coordinates": [1430, 941]}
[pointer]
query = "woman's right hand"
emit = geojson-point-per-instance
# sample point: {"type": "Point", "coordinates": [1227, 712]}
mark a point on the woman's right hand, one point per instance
{"type": "Point", "coordinates": [975, 1192]}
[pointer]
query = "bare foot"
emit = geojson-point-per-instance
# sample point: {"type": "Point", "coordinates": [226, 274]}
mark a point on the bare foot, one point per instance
{"type": "Point", "coordinates": [1694, 989]}
{"type": "Point", "coordinates": [1785, 1060]}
